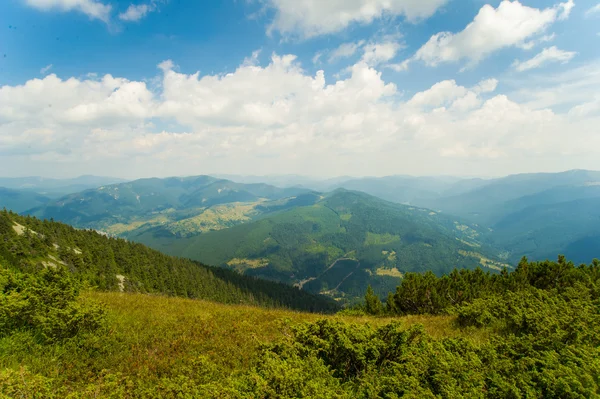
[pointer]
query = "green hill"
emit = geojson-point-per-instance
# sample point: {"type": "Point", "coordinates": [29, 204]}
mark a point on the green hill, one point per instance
{"type": "Point", "coordinates": [336, 244]}
{"type": "Point", "coordinates": [189, 204]}
{"type": "Point", "coordinates": [29, 245]}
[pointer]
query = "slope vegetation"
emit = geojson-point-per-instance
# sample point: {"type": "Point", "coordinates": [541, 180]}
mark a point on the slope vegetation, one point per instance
{"type": "Point", "coordinates": [28, 244]}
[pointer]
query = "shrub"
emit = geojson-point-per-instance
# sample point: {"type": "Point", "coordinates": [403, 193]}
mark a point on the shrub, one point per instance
{"type": "Point", "coordinates": [46, 304]}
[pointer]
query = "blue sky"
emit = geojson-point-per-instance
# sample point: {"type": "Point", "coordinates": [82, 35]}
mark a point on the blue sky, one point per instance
{"type": "Point", "coordinates": [339, 87]}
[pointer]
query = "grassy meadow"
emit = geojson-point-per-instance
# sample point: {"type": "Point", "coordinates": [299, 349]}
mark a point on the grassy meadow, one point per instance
{"type": "Point", "coordinates": [159, 345]}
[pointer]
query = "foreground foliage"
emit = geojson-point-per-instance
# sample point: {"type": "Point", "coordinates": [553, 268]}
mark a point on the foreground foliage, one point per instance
{"type": "Point", "coordinates": [537, 337]}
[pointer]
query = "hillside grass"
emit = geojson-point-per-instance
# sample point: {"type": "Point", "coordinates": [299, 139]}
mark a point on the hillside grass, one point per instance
{"type": "Point", "coordinates": [152, 339]}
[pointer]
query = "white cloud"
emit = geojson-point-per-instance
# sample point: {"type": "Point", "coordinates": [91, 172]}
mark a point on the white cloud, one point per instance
{"type": "Point", "coordinates": [136, 12]}
{"type": "Point", "coordinates": [561, 90]}
{"type": "Point", "coordinates": [511, 24]}
{"type": "Point", "coordinates": [260, 118]}
{"type": "Point", "coordinates": [345, 50]}
{"type": "Point", "coordinates": [486, 86]}
{"type": "Point", "coordinates": [309, 18]}
{"type": "Point", "coordinates": [45, 69]}
{"type": "Point", "coordinates": [92, 8]}
{"type": "Point", "coordinates": [586, 109]}
{"type": "Point", "coordinates": [550, 54]}
{"type": "Point", "coordinates": [399, 67]}
{"type": "Point", "coordinates": [439, 94]}
{"type": "Point", "coordinates": [528, 45]}
{"type": "Point", "coordinates": [377, 53]}
{"type": "Point", "coordinates": [594, 10]}
{"type": "Point", "coordinates": [317, 57]}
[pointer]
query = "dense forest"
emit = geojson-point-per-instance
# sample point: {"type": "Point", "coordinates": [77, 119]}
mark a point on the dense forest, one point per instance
{"type": "Point", "coordinates": [30, 245]}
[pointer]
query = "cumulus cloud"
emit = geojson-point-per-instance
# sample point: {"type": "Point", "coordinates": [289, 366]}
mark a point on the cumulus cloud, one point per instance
{"type": "Point", "coordinates": [511, 24]}
{"type": "Point", "coordinates": [550, 54]}
{"type": "Point", "coordinates": [309, 18]}
{"type": "Point", "coordinates": [295, 119]}
{"type": "Point", "coordinates": [92, 8]}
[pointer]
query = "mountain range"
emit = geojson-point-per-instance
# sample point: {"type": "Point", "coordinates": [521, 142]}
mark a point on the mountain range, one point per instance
{"type": "Point", "coordinates": [55, 188]}
{"type": "Point", "coordinates": [339, 235]}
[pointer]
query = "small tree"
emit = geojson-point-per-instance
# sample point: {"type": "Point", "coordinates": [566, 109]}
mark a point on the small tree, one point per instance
{"type": "Point", "coordinates": [373, 303]}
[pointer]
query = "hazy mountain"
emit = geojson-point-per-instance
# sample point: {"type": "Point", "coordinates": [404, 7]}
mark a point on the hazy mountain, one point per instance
{"type": "Point", "coordinates": [336, 244]}
{"type": "Point", "coordinates": [188, 204]}
{"type": "Point", "coordinates": [542, 230]}
{"type": "Point", "coordinates": [57, 187]}
{"type": "Point", "coordinates": [20, 200]}
{"type": "Point", "coordinates": [488, 201]}
{"type": "Point", "coordinates": [401, 189]}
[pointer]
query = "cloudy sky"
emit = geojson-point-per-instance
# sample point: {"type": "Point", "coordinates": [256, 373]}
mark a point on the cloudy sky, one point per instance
{"type": "Point", "coordinates": [310, 87]}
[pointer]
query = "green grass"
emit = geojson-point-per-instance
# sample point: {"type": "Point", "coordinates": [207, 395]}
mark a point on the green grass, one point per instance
{"type": "Point", "coordinates": [151, 340]}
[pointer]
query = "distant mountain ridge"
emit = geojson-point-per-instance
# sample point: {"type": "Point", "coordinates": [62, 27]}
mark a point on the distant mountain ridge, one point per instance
{"type": "Point", "coordinates": [336, 243]}
{"type": "Point", "coordinates": [57, 187]}
{"type": "Point", "coordinates": [187, 203]}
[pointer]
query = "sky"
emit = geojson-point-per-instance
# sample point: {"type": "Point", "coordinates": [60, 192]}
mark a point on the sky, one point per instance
{"type": "Point", "coordinates": [307, 87]}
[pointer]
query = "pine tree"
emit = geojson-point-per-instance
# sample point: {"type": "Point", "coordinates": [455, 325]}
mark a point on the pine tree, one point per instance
{"type": "Point", "coordinates": [373, 303]}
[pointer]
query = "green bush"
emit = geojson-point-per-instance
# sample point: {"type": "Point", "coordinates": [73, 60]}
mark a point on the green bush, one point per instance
{"type": "Point", "coordinates": [46, 304]}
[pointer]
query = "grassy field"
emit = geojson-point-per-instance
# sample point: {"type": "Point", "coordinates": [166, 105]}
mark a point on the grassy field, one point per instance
{"type": "Point", "coordinates": [158, 342]}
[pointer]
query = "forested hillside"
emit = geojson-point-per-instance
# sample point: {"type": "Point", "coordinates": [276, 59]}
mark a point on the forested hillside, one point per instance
{"type": "Point", "coordinates": [337, 244]}
{"type": "Point", "coordinates": [29, 245]}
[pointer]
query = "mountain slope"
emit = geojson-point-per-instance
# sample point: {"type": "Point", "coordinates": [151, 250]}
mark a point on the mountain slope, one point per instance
{"type": "Point", "coordinates": [20, 200]}
{"type": "Point", "coordinates": [179, 202]}
{"type": "Point", "coordinates": [29, 244]}
{"type": "Point", "coordinates": [540, 231]}
{"type": "Point", "coordinates": [337, 245]}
